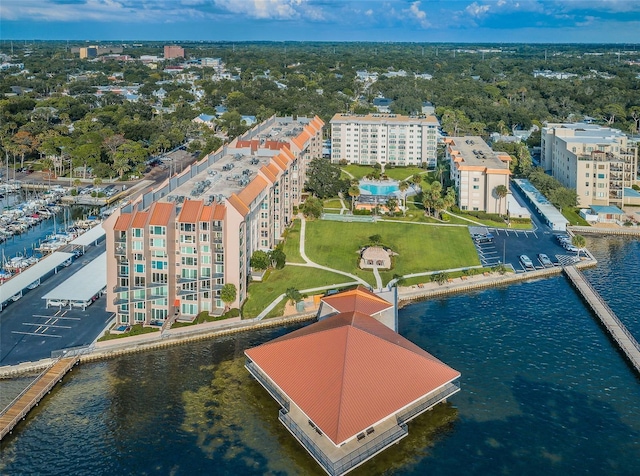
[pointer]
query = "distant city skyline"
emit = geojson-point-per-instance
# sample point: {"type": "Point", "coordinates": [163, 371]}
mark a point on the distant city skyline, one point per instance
{"type": "Point", "coordinates": [460, 21]}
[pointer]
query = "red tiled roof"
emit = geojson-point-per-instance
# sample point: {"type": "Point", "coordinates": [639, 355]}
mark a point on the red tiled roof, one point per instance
{"type": "Point", "coordinates": [190, 212]}
{"type": "Point", "coordinates": [359, 299]}
{"type": "Point", "coordinates": [207, 213]}
{"type": "Point", "coordinates": [161, 213]}
{"type": "Point", "coordinates": [268, 173]}
{"type": "Point", "coordinates": [287, 152]}
{"type": "Point", "coordinates": [238, 204]}
{"type": "Point", "coordinates": [279, 161]}
{"type": "Point", "coordinates": [349, 371]}
{"type": "Point", "coordinates": [252, 190]}
{"type": "Point", "coordinates": [140, 220]}
{"type": "Point", "coordinates": [218, 212]}
{"type": "Point", "coordinates": [123, 222]}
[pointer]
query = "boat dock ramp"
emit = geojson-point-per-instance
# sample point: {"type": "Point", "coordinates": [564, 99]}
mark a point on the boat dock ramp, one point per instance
{"type": "Point", "coordinates": [617, 330]}
{"type": "Point", "coordinates": [30, 397]}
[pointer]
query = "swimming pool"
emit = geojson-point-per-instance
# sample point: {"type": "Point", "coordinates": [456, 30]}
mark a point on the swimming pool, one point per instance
{"type": "Point", "coordinates": [383, 189]}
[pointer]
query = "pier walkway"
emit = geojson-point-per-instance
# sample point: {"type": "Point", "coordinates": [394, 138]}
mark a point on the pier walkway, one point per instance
{"type": "Point", "coordinates": [32, 395]}
{"type": "Point", "coordinates": [627, 343]}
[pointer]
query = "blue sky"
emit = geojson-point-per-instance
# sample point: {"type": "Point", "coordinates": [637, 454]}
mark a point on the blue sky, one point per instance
{"type": "Point", "coordinates": [501, 21]}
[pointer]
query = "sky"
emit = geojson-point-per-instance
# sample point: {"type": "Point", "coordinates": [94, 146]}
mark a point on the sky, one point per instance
{"type": "Point", "coordinates": [463, 21]}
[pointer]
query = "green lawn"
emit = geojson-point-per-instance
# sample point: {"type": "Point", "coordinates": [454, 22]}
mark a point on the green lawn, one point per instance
{"type": "Point", "coordinates": [292, 243]}
{"type": "Point", "coordinates": [420, 247]}
{"type": "Point", "coordinates": [487, 222]}
{"type": "Point", "coordinates": [571, 214]}
{"type": "Point", "coordinates": [278, 280]}
{"type": "Point", "coordinates": [136, 330]}
{"type": "Point", "coordinates": [332, 203]}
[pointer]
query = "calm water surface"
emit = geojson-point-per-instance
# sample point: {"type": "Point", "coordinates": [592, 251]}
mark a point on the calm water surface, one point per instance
{"type": "Point", "coordinates": [544, 391]}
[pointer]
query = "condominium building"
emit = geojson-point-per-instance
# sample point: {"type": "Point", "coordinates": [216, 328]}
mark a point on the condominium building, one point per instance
{"type": "Point", "coordinates": [173, 51]}
{"type": "Point", "coordinates": [172, 250]}
{"type": "Point", "coordinates": [384, 139]}
{"type": "Point", "coordinates": [476, 171]}
{"type": "Point", "coordinates": [598, 162]}
{"type": "Point", "coordinates": [88, 52]}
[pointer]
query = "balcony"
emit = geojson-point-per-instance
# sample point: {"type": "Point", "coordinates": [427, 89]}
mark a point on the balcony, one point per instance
{"type": "Point", "coordinates": [120, 250]}
{"type": "Point", "coordinates": [360, 453]}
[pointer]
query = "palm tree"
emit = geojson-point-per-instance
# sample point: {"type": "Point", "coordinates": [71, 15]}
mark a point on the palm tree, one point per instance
{"type": "Point", "coordinates": [416, 179]}
{"type": "Point", "coordinates": [501, 191]}
{"type": "Point", "coordinates": [579, 242]}
{"type": "Point", "coordinates": [439, 173]}
{"type": "Point", "coordinates": [354, 193]}
{"type": "Point", "coordinates": [403, 186]}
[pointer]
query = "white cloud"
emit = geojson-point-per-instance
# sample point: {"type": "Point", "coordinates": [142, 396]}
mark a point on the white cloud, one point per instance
{"type": "Point", "coordinates": [271, 9]}
{"type": "Point", "coordinates": [414, 13]}
{"type": "Point", "coordinates": [477, 10]}
{"type": "Point", "coordinates": [121, 11]}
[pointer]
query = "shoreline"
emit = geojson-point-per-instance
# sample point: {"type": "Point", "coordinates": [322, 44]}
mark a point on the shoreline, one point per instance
{"type": "Point", "coordinates": [180, 336]}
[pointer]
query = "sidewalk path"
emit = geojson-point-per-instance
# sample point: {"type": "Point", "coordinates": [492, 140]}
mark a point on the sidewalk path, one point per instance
{"type": "Point", "coordinates": [378, 278]}
{"type": "Point", "coordinates": [311, 264]}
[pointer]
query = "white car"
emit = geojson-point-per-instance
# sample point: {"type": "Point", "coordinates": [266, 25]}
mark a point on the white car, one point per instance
{"type": "Point", "coordinates": [526, 262]}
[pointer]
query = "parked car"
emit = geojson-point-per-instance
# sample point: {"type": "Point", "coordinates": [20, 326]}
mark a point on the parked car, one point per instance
{"type": "Point", "coordinates": [480, 238]}
{"type": "Point", "coordinates": [569, 247]}
{"type": "Point", "coordinates": [526, 262]}
{"type": "Point", "coordinates": [544, 260]}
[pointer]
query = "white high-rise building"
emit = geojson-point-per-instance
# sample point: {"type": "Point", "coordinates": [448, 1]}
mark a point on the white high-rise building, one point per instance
{"type": "Point", "coordinates": [384, 138]}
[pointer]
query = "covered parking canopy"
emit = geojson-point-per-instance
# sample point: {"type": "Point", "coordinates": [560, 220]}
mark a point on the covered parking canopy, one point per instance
{"type": "Point", "coordinates": [89, 237]}
{"type": "Point", "coordinates": [34, 274]}
{"type": "Point", "coordinates": [80, 289]}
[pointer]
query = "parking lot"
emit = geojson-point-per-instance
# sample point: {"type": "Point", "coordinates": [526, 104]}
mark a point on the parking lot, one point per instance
{"type": "Point", "coordinates": [508, 245]}
{"type": "Point", "coordinates": [31, 332]}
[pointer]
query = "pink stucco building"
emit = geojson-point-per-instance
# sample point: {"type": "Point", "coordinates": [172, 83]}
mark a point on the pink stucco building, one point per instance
{"type": "Point", "coordinates": [175, 247]}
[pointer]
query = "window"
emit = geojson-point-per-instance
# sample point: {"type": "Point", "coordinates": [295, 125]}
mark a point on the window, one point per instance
{"type": "Point", "coordinates": [187, 250]}
{"type": "Point", "coordinates": [137, 232]}
{"type": "Point", "coordinates": [187, 227]}
{"type": "Point", "coordinates": [138, 316]}
{"type": "Point", "coordinates": [157, 230]}
{"type": "Point", "coordinates": [204, 226]}
{"type": "Point", "coordinates": [189, 261]}
{"type": "Point", "coordinates": [159, 264]}
{"type": "Point", "coordinates": [476, 187]}
{"type": "Point", "coordinates": [205, 249]}
{"type": "Point", "coordinates": [140, 268]}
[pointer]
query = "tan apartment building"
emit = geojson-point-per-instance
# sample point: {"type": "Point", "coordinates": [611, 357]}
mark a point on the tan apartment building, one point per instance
{"type": "Point", "coordinates": [476, 171]}
{"type": "Point", "coordinates": [172, 250]}
{"type": "Point", "coordinates": [598, 162]}
{"type": "Point", "coordinates": [384, 139]}
{"type": "Point", "coordinates": [173, 51]}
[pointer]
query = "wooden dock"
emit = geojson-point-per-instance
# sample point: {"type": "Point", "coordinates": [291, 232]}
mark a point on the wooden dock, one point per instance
{"type": "Point", "coordinates": [627, 343]}
{"type": "Point", "coordinates": [31, 396]}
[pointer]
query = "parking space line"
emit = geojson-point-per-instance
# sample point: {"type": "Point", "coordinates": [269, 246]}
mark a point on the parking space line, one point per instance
{"type": "Point", "coordinates": [34, 334]}
{"type": "Point", "coordinates": [46, 325]}
{"type": "Point", "coordinates": [56, 317]}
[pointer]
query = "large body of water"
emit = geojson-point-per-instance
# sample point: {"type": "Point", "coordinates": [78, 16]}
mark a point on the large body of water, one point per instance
{"type": "Point", "coordinates": [544, 391]}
